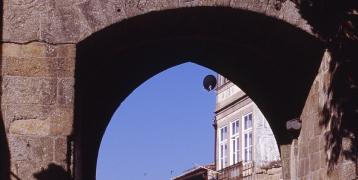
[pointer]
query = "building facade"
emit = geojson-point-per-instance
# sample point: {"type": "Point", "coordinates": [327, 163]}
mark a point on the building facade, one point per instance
{"type": "Point", "coordinates": [244, 141]}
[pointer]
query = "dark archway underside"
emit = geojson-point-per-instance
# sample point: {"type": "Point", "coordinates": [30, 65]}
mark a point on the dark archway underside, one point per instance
{"type": "Point", "coordinates": [272, 61]}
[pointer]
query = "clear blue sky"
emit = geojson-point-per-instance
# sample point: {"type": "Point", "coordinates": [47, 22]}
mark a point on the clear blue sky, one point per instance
{"type": "Point", "coordinates": [161, 129]}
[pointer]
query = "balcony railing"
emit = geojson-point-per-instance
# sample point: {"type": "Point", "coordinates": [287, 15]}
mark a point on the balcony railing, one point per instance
{"type": "Point", "coordinates": [238, 171]}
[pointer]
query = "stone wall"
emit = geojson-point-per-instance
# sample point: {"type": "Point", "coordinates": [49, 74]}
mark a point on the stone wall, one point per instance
{"type": "Point", "coordinates": [37, 106]}
{"type": "Point", "coordinates": [274, 173]}
{"type": "Point", "coordinates": [70, 21]}
{"type": "Point", "coordinates": [312, 156]}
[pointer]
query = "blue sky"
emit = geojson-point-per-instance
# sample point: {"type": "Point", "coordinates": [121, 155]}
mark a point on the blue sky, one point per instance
{"type": "Point", "coordinates": [162, 129]}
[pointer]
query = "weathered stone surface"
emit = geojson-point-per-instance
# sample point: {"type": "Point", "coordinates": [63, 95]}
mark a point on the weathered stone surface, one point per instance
{"type": "Point", "coordinates": [285, 158]}
{"type": "Point", "coordinates": [63, 23]}
{"type": "Point", "coordinates": [61, 121]}
{"type": "Point", "coordinates": [26, 90]}
{"type": "Point", "coordinates": [21, 20]}
{"type": "Point", "coordinates": [315, 161]}
{"type": "Point", "coordinates": [27, 112]}
{"type": "Point", "coordinates": [312, 152]}
{"type": "Point", "coordinates": [315, 175]}
{"type": "Point", "coordinates": [189, 3]}
{"type": "Point", "coordinates": [303, 151]}
{"type": "Point", "coordinates": [314, 145]}
{"type": "Point", "coordinates": [348, 170]}
{"type": "Point", "coordinates": [317, 127]}
{"type": "Point", "coordinates": [290, 12]}
{"type": "Point", "coordinates": [323, 157]}
{"type": "Point", "coordinates": [271, 10]}
{"type": "Point", "coordinates": [63, 51]}
{"type": "Point", "coordinates": [94, 14]}
{"type": "Point", "coordinates": [66, 92]}
{"type": "Point", "coordinates": [34, 49]}
{"type": "Point", "coordinates": [61, 150]}
{"type": "Point", "coordinates": [27, 169]}
{"type": "Point", "coordinates": [64, 67]}
{"type": "Point", "coordinates": [312, 106]}
{"type": "Point", "coordinates": [301, 169]}
{"type": "Point", "coordinates": [223, 3]}
{"type": "Point", "coordinates": [259, 6]}
{"type": "Point", "coordinates": [114, 10]}
{"type": "Point", "coordinates": [39, 67]}
{"type": "Point", "coordinates": [10, 50]}
{"type": "Point", "coordinates": [27, 148]}
{"type": "Point", "coordinates": [136, 7]}
{"type": "Point", "coordinates": [69, 21]}
{"type": "Point", "coordinates": [325, 62]}
{"type": "Point", "coordinates": [13, 113]}
{"type": "Point", "coordinates": [306, 166]}
{"type": "Point", "coordinates": [5, 121]}
{"type": "Point", "coordinates": [31, 75]}
{"type": "Point", "coordinates": [303, 24]}
{"type": "Point", "coordinates": [322, 142]}
{"type": "Point", "coordinates": [294, 159]}
{"type": "Point", "coordinates": [39, 60]}
{"type": "Point", "coordinates": [322, 174]}
{"type": "Point", "coordinates": [29, 67]}
{"type": "Point", "coordinates": [242, 4]}
{"type": "Point", "coordinates": [14, 170]}
{"type": "Point", "coordinates": [30, 127]}
{"type": "Point", "coordinates": [38, 50]}
{"type": "Point", "coordinates": [39, 120]}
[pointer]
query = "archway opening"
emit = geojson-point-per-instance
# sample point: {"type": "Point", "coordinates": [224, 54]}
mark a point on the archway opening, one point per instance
{"type": "Point", "coordinates": [170, 126]}
{"type": "Point", "coordinates": [161, 129]}
{"type": "Point", "coordinates": [264, 56]}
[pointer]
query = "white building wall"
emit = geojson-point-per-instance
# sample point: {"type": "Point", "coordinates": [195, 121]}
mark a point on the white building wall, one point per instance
{"type": "Point", "coordinates": [265, 145]}
{"type": "Point", "coordinates": [265, 148]}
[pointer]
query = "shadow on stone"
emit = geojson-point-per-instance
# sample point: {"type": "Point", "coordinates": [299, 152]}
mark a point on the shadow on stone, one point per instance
{"type": "Point", "coordinates": [53, 172]}
{"type": "Point", "coordinates": [340, 112]}
{"type": "Point", "coordinates": [338, 27]}
{"type": "Point", "coordinates": [14, 176]}
{"type": "Point", "coordinates": [336, 23]}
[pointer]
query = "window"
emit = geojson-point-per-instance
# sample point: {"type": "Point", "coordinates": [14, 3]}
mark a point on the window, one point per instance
{"type": "Point", "coordinates": [223, 156]}
{"type": "Point", "coordinates": [235, 142]}
{"type": "Point", "coordinates": [235, 128]}
{"type": "Point", "coordinates": [235, 150]}
{"type": "Point", "coordinates": [247, 135]}
{"type": "Point", "coordinates": [248, 121]}
{"type": "Point", "coordinates": [248, 146]}
{"type": "Point", "coordinates": [223, 147]}
{"type": "Point", "coordinates": [223, 133]}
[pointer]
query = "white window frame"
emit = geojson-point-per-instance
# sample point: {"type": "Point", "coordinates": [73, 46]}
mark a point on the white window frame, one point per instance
{"type": "Point", "coordinates": [223, 151]}
{"type": "Point", "coordinates": [235, 142]}
{"type": "Point", "coordinates": [237, 127]}
{"type": "Point", "coordinates": [221, 134]}
{"type": "Point", "coordinates": [223, 155]}
{"type": "Point", "coordinates": [244, 122]}
{"type": "Point", "coordinates": [235, 150]}
{"type": "Point", "coordinates": [247, 131]}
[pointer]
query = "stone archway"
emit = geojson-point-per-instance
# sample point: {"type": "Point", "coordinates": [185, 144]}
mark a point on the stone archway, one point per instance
{"type": "Point", "coordinates": [268, 65]}
{"type": "Point", "coordinates": [58, 22]}
{"type": "Point", "coordinates": [43, 40]}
